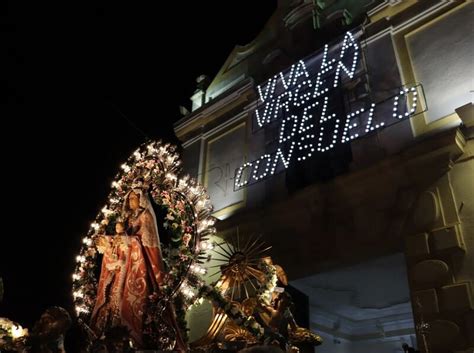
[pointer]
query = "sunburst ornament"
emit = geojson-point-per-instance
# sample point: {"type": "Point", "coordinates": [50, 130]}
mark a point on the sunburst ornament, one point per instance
{"type": "Point", "coordinates": [248, 280]}
{"type": "Point", "coordinates": [243, 270]}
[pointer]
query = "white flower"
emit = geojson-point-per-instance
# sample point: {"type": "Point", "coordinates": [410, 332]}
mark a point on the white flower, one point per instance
{"type": "Point", "coordinates": [18, 331]}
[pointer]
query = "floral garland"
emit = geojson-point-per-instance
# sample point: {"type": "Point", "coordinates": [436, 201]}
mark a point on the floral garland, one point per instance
{"type": "Point", "coordinates": [270, 279]}
{"type": "Point", "coordinates": [232, 310]}
{"type": "Point", "coordinates": [188, 220]}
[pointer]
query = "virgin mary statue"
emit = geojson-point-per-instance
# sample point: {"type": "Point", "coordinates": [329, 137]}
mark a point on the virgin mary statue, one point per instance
{"type": "Point", "coordinates": [131, 276]}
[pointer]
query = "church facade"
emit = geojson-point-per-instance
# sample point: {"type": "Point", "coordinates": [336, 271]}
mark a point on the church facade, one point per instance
{"type": "Point", "coordinates": [343, 134]}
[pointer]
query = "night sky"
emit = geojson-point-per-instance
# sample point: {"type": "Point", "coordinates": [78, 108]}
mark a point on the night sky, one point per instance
{"type": "Point", "coordinates": [87, 83]}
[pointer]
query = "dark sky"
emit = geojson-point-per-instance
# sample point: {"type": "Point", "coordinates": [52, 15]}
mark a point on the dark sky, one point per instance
{"type": "Point", "coordinates": [72, 70]}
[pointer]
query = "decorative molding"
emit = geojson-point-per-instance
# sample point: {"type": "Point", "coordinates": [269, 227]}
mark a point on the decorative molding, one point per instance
{"type": "Point", "coordinates": [383, 5]}
{"type": "Point", "coordinates": [189, 142]}
{"type": "Point", "coordinates": [224, 126]}
{"type": "Point", "coordinates": [377, 36]}
{"type": "Point", "coordinates": [298, 15]}
{"type": "Point", "coordinates": [215, 109]}
{"type": "Point", "coordinates": [422, 16]}
{"type": "Point", "coordinates": [210, 96]}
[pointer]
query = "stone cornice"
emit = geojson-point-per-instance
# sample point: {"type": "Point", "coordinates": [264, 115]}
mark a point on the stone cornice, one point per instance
{"type": "Point", "coordinates": [239, 96]}
{"type": "Point", "coordinates": [405, 14]}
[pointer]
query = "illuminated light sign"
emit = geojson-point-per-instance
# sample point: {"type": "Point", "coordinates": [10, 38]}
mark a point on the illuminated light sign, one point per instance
{"type": "Point", "coordinates": [308, 102]}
